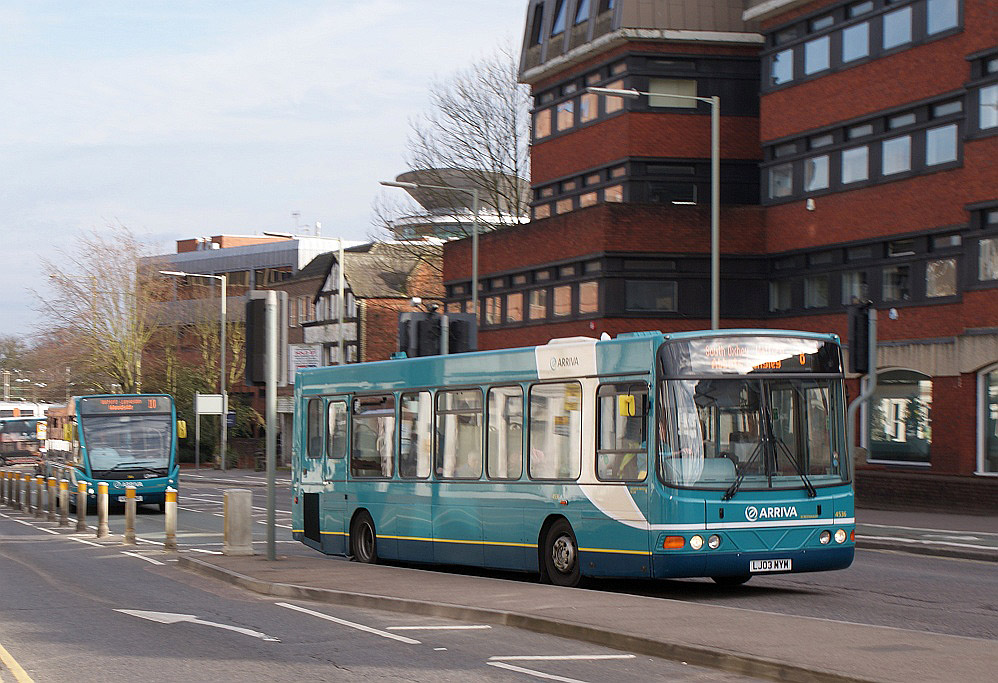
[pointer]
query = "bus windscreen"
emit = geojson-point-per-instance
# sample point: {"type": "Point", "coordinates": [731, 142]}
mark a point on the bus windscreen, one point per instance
{"type": "Point", "coordinates": [748, 355]}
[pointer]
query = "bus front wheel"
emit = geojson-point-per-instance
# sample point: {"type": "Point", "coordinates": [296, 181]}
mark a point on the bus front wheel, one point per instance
{"type": "Point", "coordinates": [363, 540]}
{"type": "Point", "coordinates": [561, 555]}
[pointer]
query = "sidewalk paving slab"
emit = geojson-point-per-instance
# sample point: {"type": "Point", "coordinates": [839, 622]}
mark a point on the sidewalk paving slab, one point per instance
{"type": "Point", "coordinates": [762, 644]}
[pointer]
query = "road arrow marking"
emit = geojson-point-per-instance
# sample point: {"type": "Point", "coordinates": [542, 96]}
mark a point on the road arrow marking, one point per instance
{"type": "Point", "coordinates": [171, 618]}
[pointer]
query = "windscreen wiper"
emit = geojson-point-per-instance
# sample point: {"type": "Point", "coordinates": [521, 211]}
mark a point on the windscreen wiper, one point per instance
{"type": "Point", "coordinates": [811, 492]}
{"type": "Point", "coordinates": [733, 489]}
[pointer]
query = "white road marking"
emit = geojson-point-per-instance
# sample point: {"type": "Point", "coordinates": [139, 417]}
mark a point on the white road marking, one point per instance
{"type": "Point", "coordinates": [437, 628]}
{"type": "Point", "coordinates": [344, 622]}
{"type": "Point", "coordinates": [10, 664]}
{"type": "Point", "coordinates": [170, 618]}
{"type": "Point", "coordinates": [202, 550]}
{"type": "Point", "coordinates": [915, 540]}
{"type": "Point", "coordinates": [535, 674]}
{"type": "Point", "coordinates": [915, 528]}
{"type": "Point", "coordinates": [141, 557]}
{"type": "Point", "coordinates": [556, 658]}
{"type": "Point", "coordinates": [440, 649]}
{"type": "Point", "coordinates": [83, 540]}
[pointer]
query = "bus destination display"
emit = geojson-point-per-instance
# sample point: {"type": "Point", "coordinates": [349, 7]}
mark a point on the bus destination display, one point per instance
{"type": "Point", "coordinates": [748, 355]}
{"type": "Point", "coordinates": [109, 405]}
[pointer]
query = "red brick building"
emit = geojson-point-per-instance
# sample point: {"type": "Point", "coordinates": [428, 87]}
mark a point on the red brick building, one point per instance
{"type": "Point", "coordinates": [858, 162]}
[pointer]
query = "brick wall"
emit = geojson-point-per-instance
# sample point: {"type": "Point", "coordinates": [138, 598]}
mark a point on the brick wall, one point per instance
{"type": "Point", "coordinates": [911, 491]}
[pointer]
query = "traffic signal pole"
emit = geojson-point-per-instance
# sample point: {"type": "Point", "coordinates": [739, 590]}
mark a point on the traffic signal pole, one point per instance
{"type": "Point", "coordinates": [869, 382]}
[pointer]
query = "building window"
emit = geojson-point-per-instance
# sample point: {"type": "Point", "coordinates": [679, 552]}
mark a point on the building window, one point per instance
{"type": "Point", "coordinates": [856, 42]}
{"type": "Point", "coordinates": [779, 295]}
{"type": "Point", "coordinates": [940, 145]}
{"type": "Point", "coordinates": [896, 155]}
{"type": "Point", "coordinates": [537, 27]}
{"type": "Point", "coordinates": [581, 11]}
{"type": "Point", "coordinates": [940, 278]}
{"type": "Point", "coordinates": [988, 107]}
{"type": "Point", "coordinates": [901, 248]}
{"type": "Point", "coordinates": [822, 140]}
{"type": "Point", "coordinates": [782, 67]}
{"type": "Point", "coordinates": [614, 193]}
{"type": "Point", "coordinates": [565, 117]}
{"type": "Point", "coordinates": [987, 421]}
{"type": "Point", "coordinates": [940, 15]}
{"type": "Point", "coordinates": [855, 164]}
{"type": "Point", "coordinates": [587, 199]}
{"type": "Point", "coordinates": [900, 428]}
{"type": "Point", "coordinates": [896, 283]}
{"type": "Point", "coordinates": [653, 296]}
{"type": "Point", "coordinates": [588, 297]}
{"type": "Point", "coordinates": [514, 307]}
{"type": "Point", "coordinates": [492, 310]}
{"type": "Point", "coordinates": [542, 124]}
{"type": "Point", "coordinates": [816, 55]}
{"type": "Point", "coordinates": [538, 309]}
{"type": "Point", "coordinates": [563, 206]}
{"type": "Point", "coordinates": [854, 287]}
{"type": "Point", "coordinates": [897, 28]}
{"type": "Point", "coordinates": [612, 103]}
{"type": "Point", "coordinates": [987, 260]}
{"type": "Point", "coordinates": [816, 173]}
{"type": "Point", "coordinates": [588, 107]}
{"type": "Point", "coordinates": [662, 90]}
{"type": "Point", "coordinates": [542, 211]}
{"type": "Point", "coordinates": [781, 181]}
{"type": "Point", "coordinates": [558, 25]}
{"type": "Point", "coordinates": [562, 299]}
{"type": "Point", "coordinates": [816, 292]}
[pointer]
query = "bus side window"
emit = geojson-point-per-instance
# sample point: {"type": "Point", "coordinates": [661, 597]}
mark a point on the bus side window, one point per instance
{"type": "Point", "coordinates": [555, 431]}
{"type": "Point", "coordinates": [622, 453]}
{"type": "Point", "coordinates": [415, 437]}
{"type": "Point", "coordinates": [373, 452]}
{"type": "Point", "coordinates": [459, 434]}
{"type": "Point", "coordinates": [313, 443]}
{"type": "Point", "coordinates": [336, 438]}
{"type": "Point", "coordinates": [504, 457]}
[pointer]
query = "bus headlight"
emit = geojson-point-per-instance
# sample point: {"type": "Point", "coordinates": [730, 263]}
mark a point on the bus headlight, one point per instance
{"type": "Point", "coordinates": [825, 537]}
{"type": "Point", "coordinates": [840, 536]}
{"type": "Point", "coordinates": [714, 542]}
{"type": "Point", "coordinates": [696, 542]}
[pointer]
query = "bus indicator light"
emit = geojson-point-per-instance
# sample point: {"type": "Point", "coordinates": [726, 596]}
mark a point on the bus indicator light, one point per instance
{"type": "Point", "coordinates": [673, 542]}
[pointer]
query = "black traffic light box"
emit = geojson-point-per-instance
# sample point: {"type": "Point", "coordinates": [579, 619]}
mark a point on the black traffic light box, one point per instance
{"type": "Point", "coordinates": [256, 338]}
{"type": "Point", "coordinates": [859, 338]}
{"type": "Point", "coordinates": [420, 333]}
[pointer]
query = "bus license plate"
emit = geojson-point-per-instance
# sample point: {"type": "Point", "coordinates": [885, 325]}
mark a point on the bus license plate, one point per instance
{"type": "Point", "coordinates": [122, 499]}
{"type": "Point", "coordinates": [770, 565]}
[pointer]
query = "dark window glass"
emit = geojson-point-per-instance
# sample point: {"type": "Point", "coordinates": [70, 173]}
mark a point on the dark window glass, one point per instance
{"type": "Point", "coordinates": [650, 295]}
{"type": "Point", "coordinates": [313, 447]}
{"type": "Point", "coordinates": [559, 18]}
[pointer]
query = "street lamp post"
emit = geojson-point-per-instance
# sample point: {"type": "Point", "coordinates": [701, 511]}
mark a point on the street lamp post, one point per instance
{"type": "Point", "coordinates": [715, 186]}
{"type": "Point", "coordinates": [221, 379]}
{"type": "Point", "coordinates": [474, 230]}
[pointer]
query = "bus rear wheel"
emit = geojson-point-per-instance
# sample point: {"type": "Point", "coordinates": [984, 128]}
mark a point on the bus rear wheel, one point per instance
{"type": "Point", "coordinates": [561, 555]}
{"type": "Point", "coordinates": [730, 580]}
{"type": "Point", "coordinates": [363, 540]}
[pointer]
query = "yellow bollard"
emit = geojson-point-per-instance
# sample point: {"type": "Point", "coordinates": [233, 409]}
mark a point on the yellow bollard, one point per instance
{"type": "Point", "coordinates": [63, 502]}
{"type": "Point", "coordinates": [81, 506]}
{"type": "Point", "coordinates": [102, 528]}
{"type": "Point", "coordinates": [130, 504]}
{"type": "Point", "coordinates": [171, 519]}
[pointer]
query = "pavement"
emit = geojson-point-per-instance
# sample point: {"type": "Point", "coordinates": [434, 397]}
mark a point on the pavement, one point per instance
{"type": "Point", "coordinates": [754, 643]}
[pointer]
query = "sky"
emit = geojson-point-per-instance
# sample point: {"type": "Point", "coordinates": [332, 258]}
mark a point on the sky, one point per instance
{"type": "Point", "coordinates": [182, 118]}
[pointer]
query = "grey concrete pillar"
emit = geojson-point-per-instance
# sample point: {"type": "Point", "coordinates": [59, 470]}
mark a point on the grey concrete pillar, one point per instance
{"type": "Point", "coordinates": [238, 509]}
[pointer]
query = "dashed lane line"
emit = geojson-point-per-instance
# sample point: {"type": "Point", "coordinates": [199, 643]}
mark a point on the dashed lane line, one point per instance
{"type": "Point", "coordinates": [150, 560]}
{"type": "Point", "coordinates": [535, 674]}
{"type": "Point", "coordinates": [350, 624]}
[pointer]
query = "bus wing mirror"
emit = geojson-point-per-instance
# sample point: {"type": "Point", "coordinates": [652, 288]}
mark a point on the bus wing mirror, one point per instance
{"type": "Point", "coordinates": [625, 405]}
{"type": "Point", "coordinates": [181, 429]}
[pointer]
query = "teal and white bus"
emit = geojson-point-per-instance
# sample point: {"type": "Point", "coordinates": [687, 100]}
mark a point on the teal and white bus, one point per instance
{"type": "Point", "coordinates": [121, 439]}
{"type": "Point", "coordinates": [697, 454]}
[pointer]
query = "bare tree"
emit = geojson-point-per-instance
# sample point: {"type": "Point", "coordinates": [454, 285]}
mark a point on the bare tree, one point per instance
{"type": "Point", "coordinates": [105, 304]}
{"type": "Point", "coordinates": [475, 136]}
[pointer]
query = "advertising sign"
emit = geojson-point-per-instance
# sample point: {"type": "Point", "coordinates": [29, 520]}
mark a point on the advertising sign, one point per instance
{"type": "Point", "coordinates": [303, 356]}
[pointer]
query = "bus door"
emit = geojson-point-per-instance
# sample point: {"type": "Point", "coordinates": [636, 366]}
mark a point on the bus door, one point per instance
{"type": "Point", "coordinates": [311, 470]}
{"type": "Point", "coordinates": [333, 503]}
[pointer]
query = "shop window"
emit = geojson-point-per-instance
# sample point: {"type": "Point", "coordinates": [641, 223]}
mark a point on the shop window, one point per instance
{"type": "Point", "coordinates": [900, 426]}
{"type": "Point", "coordinates": [663, 89]}
{"type": "Point", "coordinates": [987, 421]}
{"type": "Point", "coordinates": [940, 278]}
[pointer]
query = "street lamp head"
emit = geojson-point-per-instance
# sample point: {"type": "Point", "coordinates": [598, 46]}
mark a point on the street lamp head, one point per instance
{"type": "Point", "coordinates": [613, 92]}
{"type": "Point", "coordinates": [173, 272]}
{"type": "Point", "coordinates": [407, 186]}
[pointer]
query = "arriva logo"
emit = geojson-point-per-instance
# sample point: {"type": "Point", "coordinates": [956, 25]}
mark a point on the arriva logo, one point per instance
{"type": "Point", "coordinates": [752, 513]}
{"type": "Point", "coordinates": [564, 362]}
